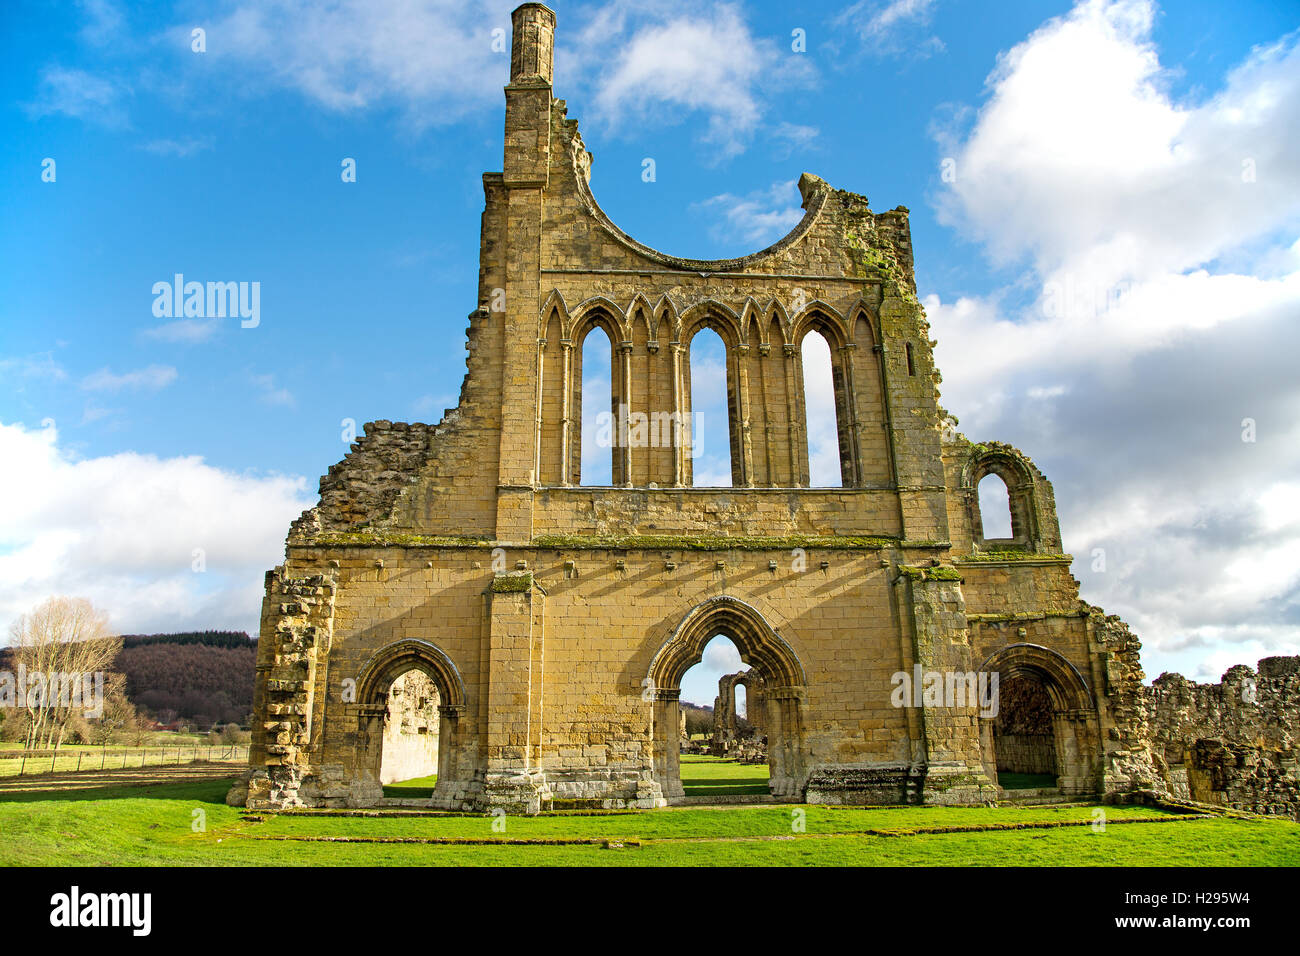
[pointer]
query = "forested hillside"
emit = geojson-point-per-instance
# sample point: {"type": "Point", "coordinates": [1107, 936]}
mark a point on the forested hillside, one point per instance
{"type": "Point", "coordinates": [204, 677]}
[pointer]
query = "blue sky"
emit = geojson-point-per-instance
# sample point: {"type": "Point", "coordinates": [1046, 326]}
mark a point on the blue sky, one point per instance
{"type": "Point", "coordinates": [1097, 153]}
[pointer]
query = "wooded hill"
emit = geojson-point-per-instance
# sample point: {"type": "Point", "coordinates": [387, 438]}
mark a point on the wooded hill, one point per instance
{"type": "Point", "coordinates": [200, 677]}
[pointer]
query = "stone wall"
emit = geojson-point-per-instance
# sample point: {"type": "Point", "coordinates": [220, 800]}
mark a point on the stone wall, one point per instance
{"type": "Point", "coordinates": [1232, 743]}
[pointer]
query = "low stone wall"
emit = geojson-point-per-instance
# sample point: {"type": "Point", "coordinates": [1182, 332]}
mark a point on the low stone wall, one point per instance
{"type": "Point", "coordinates": [1231, 743]}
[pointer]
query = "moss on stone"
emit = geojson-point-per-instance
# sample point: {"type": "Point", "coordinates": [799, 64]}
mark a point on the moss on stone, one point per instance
{"type": "Point", "coordinates": [397, 539]}
{"type": "Point", "coordinates": [941, 573]}
{"type": "Point", "coordinates": [512, 583]}
{"type": "Point", "coordinates": [1010, 554]}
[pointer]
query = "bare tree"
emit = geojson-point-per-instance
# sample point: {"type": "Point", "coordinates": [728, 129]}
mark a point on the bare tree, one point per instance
{"type": "Point", "coordinates": [61, 645]}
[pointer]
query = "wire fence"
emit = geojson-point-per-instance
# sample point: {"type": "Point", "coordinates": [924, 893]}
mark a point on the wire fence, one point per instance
{"type": "Point", "coordinates": [18, 763]}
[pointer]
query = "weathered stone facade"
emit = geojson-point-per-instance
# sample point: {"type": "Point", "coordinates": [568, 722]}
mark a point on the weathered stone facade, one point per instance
{"type": "Point", "coordinates": [556, 620]}
{"type": "Point", "coordinates": [1231, 743]}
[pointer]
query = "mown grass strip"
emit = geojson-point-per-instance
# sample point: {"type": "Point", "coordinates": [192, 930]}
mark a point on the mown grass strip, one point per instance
{"type": "Point", "coordinates": [449, 841]}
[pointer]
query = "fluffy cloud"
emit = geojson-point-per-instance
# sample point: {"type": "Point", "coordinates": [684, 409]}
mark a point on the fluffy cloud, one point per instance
{"type": "Point", "coordinates": [658, 63]}
{"type": "Point", "coordinates": [1162, 238]}
{"type": "Point", "coordinates": [436, 61]}
{"type": "Point", "coordinates": [439, 61]}
{"type": "Point", "coordinates": [889, 28]}
{"type": "Point", "coordinates": [81, 95]}
{"type": "Point", "coordinates": [755, 219]}
{"type": "Point", "coordinates": [1081, 161]}
{"type": "Point", "coordinates": [700, 683]}
{"type": "Point", "coordinates": [128, 531]}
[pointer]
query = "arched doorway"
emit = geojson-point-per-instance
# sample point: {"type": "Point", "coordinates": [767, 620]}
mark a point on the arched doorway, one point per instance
{"type": "Point", "coordinates": [768, 655]}
{"type": "Point", "coordinates": [1024, 737]}
{"type": "Point", "coordinates": [410, 743]}
{"type": "Point", "coordinates": [1050, 726]}
{"type": "Point", "coordinates": [388, 691]}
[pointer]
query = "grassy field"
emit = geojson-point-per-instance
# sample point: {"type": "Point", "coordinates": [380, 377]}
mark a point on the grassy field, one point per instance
{"type": "Point", "coordinates": [178, 817]}
{"type": "Point", "coordinates": [413, 789]}
{"type": "Point", "coordinates": [705, 776]}
{"type": "Point", "coordinates": [71, 758]}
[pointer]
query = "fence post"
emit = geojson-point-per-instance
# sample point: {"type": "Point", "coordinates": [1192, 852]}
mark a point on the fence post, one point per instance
{"type": "Point", "coordinates": [80, 754]}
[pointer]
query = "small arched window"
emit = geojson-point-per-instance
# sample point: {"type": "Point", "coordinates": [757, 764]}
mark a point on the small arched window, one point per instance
{"type": "Point", "coordinates": [995, 508]}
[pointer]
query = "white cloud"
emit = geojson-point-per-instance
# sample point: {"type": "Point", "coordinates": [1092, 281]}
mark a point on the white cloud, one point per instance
{"type": "Point", "coordinates": [1081, 161]}
{"type": "Point", "coordinates": [180, 148]}
{"type": "Point", "coordinates": [271, 393]}
{"type": "Point", "coordinates": [122, 530]}
{"type": "Point", "coordinates": [40, 367]}
{"type": "Point", "coordinates": [103, 21]}
{"type": "Point", "coordinates": [152, 377]}
{"type": "Point", "coordinates": [888, 28]}
{"type": "Point", "coordinates": [1169, 293]}
{"type": "Point", "coordinates": [700, 683]}
{"type": "Point", "coordinates": [756, 219]}
{"type": "Point", "coordinates": [186, 331]}
{"type": "Point", "coordinates": [659, 63]}
{"type": "Point", "coordinates": [79, 94]}
{"type": "Point", "coordinates": [433, 60]}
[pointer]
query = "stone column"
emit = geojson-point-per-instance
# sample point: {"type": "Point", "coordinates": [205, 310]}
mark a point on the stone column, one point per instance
{"type": "Point", "coordinates": [681, 427]}
{"type": "Point", "coordinates": [512, 782]}
{"type": "Point", "coordinates": [666, 747]}
{"type": "Point", "coordinates": [745, 440]}
{"type": "Point", "coordinates": [954, 758]}
{"type": "Point", "coordinates": [624, 372]}
{"type": "Point", "coordinates": [566, 401]}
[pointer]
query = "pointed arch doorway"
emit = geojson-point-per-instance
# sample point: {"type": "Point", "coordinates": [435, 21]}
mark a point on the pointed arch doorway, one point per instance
{"type": "Point", "coordinates": [768, 655]}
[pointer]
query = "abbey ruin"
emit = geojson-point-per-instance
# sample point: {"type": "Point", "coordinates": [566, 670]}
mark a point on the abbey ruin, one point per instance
{"type": "Point", "coordinates": [554, 619]}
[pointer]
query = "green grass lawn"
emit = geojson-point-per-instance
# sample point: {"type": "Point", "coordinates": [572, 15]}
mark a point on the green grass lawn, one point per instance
{"type": "Point", "coordinates": [705, 776]}
{"type": "Point", "coordinates": [186, 822]}
{"type": "Point", "coordinates": [413, 789]}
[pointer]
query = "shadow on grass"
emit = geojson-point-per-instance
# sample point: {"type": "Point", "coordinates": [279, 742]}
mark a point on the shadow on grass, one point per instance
{"type": "Point", "coordinates": [719, 787]}
{"type": "Point", "coordinates": [203, 790]}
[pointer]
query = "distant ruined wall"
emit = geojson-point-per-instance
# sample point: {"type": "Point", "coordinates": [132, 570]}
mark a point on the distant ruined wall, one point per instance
{"type": "Point", "coordinates": [410, 729]}
{"type": "Point", "coordinates": [1231, 743]}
